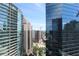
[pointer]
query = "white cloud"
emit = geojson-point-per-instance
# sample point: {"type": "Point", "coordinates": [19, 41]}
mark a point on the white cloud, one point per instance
{"type": "Point", "coordinates": [38, 4]}
{"type": "Point", "coordinates": [38, 26]}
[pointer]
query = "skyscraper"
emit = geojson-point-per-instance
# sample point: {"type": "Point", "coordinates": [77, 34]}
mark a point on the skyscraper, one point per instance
{"type": "Point", "coordinates": [19, 33]}
{"type": "Point", "coordinates": [10, 29]}
{"type": "Point", "coordinates": [70, 35]}
{"type": "Point", "coordinates": [37, 36]}
{"type": "Point", "coordinates": [61, 29]}
{"type": "Point", "coordinates": [27, 37]}
{"type": "Point", "coordinates": [30, 38]}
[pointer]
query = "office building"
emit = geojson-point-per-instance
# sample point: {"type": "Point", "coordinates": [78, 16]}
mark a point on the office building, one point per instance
{"type": "Point", "coordinates": [70, 36]}
{"type": "Point", "coordinates": [62, 29]}
{"type": "Point", "coordinates": [10, 30]}
{"type": "Point", "coordinates": [27, 37]}
{"type": "Point", "coordinates": [30, 38]}
{"type": "Point", "coordinates": [37, 36]}
{"type": "Point", "coordinates": [19, 33]}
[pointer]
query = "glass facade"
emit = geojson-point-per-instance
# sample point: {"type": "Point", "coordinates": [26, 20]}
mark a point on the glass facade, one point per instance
{"type": "Point", "coordinates": [19, 32]}
{"type": "Point", "coordinates": [63, 38]}
{"type": "Point", "coordinates": [53, 29]}
{"type": "Point", "coordinates": [8, 29]}
{"type": "Point", "coordinates": [70, 30]}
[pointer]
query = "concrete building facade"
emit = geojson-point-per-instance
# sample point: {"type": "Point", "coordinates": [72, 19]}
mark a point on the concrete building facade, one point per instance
{"type": "Point", "coordinates": [27, 34]}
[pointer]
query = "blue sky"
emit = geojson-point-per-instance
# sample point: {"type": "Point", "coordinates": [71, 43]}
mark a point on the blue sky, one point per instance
{"type": "Point", "coordinates": [34, 13]}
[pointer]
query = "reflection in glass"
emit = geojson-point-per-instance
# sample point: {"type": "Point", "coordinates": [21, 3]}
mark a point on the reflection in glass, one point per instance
{"type": "Point", "coordinates": [65, 40]}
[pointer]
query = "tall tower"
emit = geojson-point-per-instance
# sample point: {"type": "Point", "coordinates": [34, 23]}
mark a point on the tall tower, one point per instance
{"type": "Point", "coordinates": [10, 30]}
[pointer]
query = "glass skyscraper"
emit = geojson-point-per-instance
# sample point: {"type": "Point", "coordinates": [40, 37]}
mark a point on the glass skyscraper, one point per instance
{"type": "Point", "coordinates": [19, 33]}
{"type": "Point", "coordinates": [10, 29]}
{"type": "Point", "coordinates": [62, 29]}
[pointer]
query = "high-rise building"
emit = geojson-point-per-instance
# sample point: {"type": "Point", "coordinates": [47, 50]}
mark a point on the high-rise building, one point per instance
{"type": "Point", "coordinates": [27, 37]}
{"type": "Point", "coordinates": [19, 33]}
{"type": "Point", "coordinates": [30, 38]}
{"type": "Point", "coordinates": [70, 36]}
{"type": "Point", "coordinates": [37, 36]}
{"type": "Point", "coordinates": [10, 29]}
{"type": "Point", "coordinates": [62, 29]}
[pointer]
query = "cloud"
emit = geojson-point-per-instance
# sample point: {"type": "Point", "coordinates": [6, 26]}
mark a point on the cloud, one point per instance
{"type": "Point", "coordinates": [37, 26]}
{"type": "Point", "coordinates": [38, 5]}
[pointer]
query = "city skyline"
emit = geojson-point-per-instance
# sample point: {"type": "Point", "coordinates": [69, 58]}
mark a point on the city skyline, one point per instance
{"type": "Point", "coordinates": [16, 32]}
{"type": "Point", "coordinates": [22, 25]}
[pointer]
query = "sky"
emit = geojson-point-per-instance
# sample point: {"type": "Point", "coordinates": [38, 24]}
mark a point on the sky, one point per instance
{"type": "Point", "coordinates": [34, 13]}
